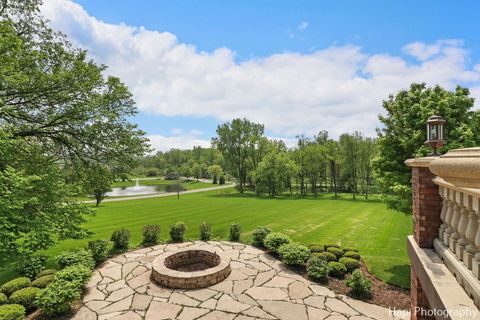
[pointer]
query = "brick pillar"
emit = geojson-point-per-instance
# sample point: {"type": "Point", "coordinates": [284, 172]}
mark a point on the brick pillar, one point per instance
{"type": "Point", "coordinates": [418, 299]}
{"type": "Point", "coordinates": [427, 206]}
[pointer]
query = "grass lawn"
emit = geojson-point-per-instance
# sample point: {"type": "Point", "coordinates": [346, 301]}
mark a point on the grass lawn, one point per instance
{"type": "Point", "coordinates": [378, 233]}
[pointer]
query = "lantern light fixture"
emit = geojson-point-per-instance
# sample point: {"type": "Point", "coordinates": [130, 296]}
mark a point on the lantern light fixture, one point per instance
{"type": "Point", "coordinates": [435, 134]}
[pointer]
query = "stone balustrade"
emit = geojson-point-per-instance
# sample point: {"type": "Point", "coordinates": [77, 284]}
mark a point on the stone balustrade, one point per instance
{"type": "Point", "coordinates": [458, 179]}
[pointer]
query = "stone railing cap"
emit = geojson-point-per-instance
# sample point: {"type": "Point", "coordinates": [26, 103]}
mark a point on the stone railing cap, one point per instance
{"type": "Point", "coordinates": [420, 162]}
{"type": "Point", "coordinates": [460, 167]}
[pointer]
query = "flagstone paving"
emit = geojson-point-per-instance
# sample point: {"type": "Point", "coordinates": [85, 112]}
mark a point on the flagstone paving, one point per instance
{"type": "Point", "coordinates": [259, 287]}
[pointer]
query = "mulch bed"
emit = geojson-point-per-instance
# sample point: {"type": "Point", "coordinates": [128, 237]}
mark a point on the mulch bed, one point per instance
{"type": "Point", "coordinates": [383, 294]}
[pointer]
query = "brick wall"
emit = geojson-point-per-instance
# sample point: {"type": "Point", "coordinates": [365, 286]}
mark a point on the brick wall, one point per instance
{"type": "Point", "coordinates": [427, 205]}
{"type": "Point", "coordinates": [418, 299]}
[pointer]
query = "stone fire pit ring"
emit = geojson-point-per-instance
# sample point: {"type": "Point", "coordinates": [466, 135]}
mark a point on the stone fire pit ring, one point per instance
{"type": "Point", "coordinates": [172, 269]}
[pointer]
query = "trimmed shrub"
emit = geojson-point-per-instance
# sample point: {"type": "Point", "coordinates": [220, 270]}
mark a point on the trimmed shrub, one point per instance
{"type": "Point", "coordinates": [57, 297]}
{"type": "Point", "coordinates": [99, 250]}
{"type": "Point", "coordinates": [352, 254]}
{"type": "Point", "coordinates": [330, 245]}
{"type": "Point", "coordinates": [42, 282]}
{"type": "Point", "coordinates": [360, 284]}
{"type": "Point", "coordinates": [259, 235]}
{"type": "Point", "coordinates": [78, 274]}
{"type": "Point", "coordinates": [318, 269]}
{"type": "Point", "coordinates": [314, 248]}
{"type": "Point", "coordinates": [120, 239]}
{"type": "Point", "coordinates": [349, 263]}
{"type": "Point", "coordinates": [234, 232]}
{"type": "Point", "coordinates": [25, 297]}
{"type": "Point", "coordinates": [75, 256]}
{"type": "Point", "coordinates": [221, 180]}
{"type": "Point", "coordinates": [294, 253]}
{"type": "Point", "coordinates": [150, 233]}
{"type": "Point", "coordinates": [337, 269]}
{"type": "Point", "coordinates": [3, 298]}
{"type": "Point", "coordinates": [336, 251]}
{"type": "Point", "coordinates": [177, 231]}
{"type": "Point", "coordinates": [205, 231]}
{"type": "Point", "coordinates": [345, 249]}
{"type": "Point", "coordinates": [327, 256]}
{"type": "Point", "coordinates": [46, 272]}
{"type": "Point", "coordinates": [14, 285]}
{"type": "Point", "coordinates": [12, 312]}
{"type": "Point", "coordinates": [33, 265]}
{"type": "Point", "coordinates": [274, 240]}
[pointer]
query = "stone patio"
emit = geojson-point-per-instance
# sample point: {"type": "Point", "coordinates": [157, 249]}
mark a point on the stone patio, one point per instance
{"type": "Point", "coordinates": [259, 287]}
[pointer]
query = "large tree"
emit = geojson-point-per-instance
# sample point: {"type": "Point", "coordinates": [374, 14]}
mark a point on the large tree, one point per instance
{"type": "Point", "coordinates": [62, 117]}
{"type": "Point", "coordinates": [240, 142]}
{"type": "Point", "coordinates": [274, 173]}
{"type": "Point", "coordinates": [403, 134]}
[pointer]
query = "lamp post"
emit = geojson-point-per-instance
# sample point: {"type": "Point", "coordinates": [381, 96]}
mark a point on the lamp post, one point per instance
{"type": "Point", "coordinates": [435, 134]}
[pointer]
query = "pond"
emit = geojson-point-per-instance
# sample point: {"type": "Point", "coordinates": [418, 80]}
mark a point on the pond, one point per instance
{"type": "Point", "coordinates": [139, 190]}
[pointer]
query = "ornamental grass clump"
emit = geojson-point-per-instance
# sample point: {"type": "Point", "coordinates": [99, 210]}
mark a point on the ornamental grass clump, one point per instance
{"type": "Point", "coordinates": [99, 250]}
{"type": "Point", "coordinates": [235, 230]}
{"type": "Point", "coordinates": [205, 231]}
{"type": "Point", "coordinates": [177, 232]}
{"type": "Point", "coordinates": [120, 239]}
{"type": "Point", "coordinates": [151, 233]}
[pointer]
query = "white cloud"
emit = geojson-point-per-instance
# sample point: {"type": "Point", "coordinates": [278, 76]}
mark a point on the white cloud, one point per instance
{"type": "Point", "coordinates": [303, 25]}
{"type": "Point", "coordinates": [339, 88]}
{"type": "Point", "coordinates": [165, 143]}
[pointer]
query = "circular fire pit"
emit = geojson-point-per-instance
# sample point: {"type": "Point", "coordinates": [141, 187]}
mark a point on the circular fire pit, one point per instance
{"type": "Point", "coordinates": [190, 269]}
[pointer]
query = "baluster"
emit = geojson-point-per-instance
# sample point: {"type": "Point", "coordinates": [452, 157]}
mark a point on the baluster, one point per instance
{"type": "Point", "coordinates": [448, 218]}
{"type": "Point", "coordinates": [443, 213]}
{"type": "Point", "coordinates": [455, 220]}
{"type": "Point", "coordinates": [470, 249]}
{"type": "Point", "coordinates": [462, 229]}
{"type": "Point", "coordinates": [476, 261]}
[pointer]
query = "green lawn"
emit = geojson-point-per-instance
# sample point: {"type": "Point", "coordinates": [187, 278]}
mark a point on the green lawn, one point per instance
{"type": "Point", "coordinates": [378, 233]}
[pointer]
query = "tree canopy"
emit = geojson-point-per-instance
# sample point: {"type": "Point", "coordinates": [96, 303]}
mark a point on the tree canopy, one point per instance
{"type": "Point", "coordinates": [403, 134]}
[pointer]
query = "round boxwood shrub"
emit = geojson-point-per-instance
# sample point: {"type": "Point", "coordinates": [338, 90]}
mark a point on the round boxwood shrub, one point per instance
{"type": "Point", "coordinates": [177, 232]}
{"type": "Point", "coordinates": [327, 256]}
{"type": "Point", "coordinates": [12, 312]}
{"type": "Point", "coordinates": [274, 240]}
{"type": "Point", "coordinates": [3, 298]}
{"type": "Point", "coordinates": [345, 249]}
{"type": "Point", "coordinates": [46, 272]}
{"type": "Point", "coordinates": [42, 282]}
{"type": "Point", "coordinates": [352, 254]}
{"type": "Point", "coordinates": [14, 285]}
{"type": "Point", "coordinates": [349, 263]}
{"type": "Point", "coordinates": [360, 284]}
{"type": "Point", "coordinates": [337, 269]}
{"type": "Point", "coordinates": [25, 297]}
{"type": "Point", "coordinates": [75, 256]}
{"type": "Point", "coordinates": [318, 269]}
{"type": "Point", "coordinates": [314, 248]}
{"type": "Point", "coordinates": [259, 235]}
{"type": "Point", "coordinates": [330, 245]}
{"type": "Point", "coordinates": [336, 251]}
{"type": "Point", "coordinates": [294, 253]}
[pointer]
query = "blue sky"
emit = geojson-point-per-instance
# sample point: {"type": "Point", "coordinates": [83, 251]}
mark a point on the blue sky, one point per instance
{"type": "Point", "coordinates": [297, 66]}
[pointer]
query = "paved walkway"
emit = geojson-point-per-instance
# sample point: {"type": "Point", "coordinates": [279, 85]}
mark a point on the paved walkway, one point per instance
{"type": "Point", "coordinates": [259, 287]}
{"type": "Point", "coordinates": [168, 194]}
